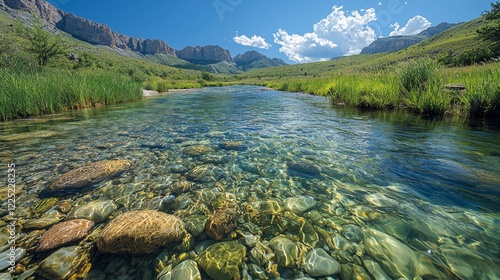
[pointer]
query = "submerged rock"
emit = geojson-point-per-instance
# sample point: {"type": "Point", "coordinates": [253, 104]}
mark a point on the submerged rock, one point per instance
{"type": "Point", "coordinates": [197, 150]}
{"type": "Point", "coordinates": [186, 270]}
{"type": "Point", "coordinates": [65, 263]}
{"type": "Point", "coordinates": [64, 233]}
{"type": "Point", "coordinates": [90, 173]}
{"type": "Point", "coordinates": [304, 168]}
{"type": "Point", "coordinates": [319, 263]}
{"type": "Point", "coordinates": [222, 222]}
{"type": "Point", "coordinates": [286, 251]}
{"type": "Point", "coordinates": [181, 187]}
{"type": "Point", "coordinates": [5, 257]}
{"type": "Point", "coordinates": [223, 260]}
{"type": "Point", "coordinates": [97, 211]}
{"type": "Point", "coordinates": [140, 232]}
{"type": "Point", "coordinates": [195, 224]}
{"type": "Point", "coordinates": [300, 204]}
{"type": "Point", "coordinates": [397, 259]}
{"type": "Point", "coordinates": [45, 221]}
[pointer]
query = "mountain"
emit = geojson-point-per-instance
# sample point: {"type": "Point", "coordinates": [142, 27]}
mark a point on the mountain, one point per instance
{"type": "Point", "coordinates": [204, 55]}
{"type": "Point", "coordinates": [255, 60]}
{"type": "Point", "coordinates": [87, 30]}
{"type": "Point", "coordinates": [396, 43]}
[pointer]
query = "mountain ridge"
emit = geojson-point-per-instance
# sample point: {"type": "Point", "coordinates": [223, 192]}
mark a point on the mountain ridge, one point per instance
{"type": "Point", "coordinates": [396, 43]}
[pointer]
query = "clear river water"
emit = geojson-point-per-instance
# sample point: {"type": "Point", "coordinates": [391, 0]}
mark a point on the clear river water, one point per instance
{"type": "Point", "coordinates": [385, 195]}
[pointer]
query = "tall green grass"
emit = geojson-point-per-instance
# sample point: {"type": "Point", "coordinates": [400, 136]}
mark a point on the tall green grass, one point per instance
{"type": "Point", "coordinates": [416, 86]}
{"type": "Point", "coordinates": [30, 93]}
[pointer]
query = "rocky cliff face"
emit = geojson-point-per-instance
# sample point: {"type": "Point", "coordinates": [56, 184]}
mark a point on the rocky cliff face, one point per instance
{"type": "Point", "coordinates": [39, 7]}
{"type": "Point", "coordinates": [391, 44]}
{"type": "Point", "coordinates": [396, 43]}
{"type": "Point", "coordinates": [204, 55]}
{"type": "Point", "coordinates": [87, 30]}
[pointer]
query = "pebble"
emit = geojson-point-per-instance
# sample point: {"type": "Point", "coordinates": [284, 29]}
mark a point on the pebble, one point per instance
{"type": "Point", "coordinates": [318, 263]}
{"type": "Point", "coordinates": [97, 211]}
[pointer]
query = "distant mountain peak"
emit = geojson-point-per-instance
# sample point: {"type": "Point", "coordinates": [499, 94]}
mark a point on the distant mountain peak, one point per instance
{"type": "Point", "coordinates": [396, 43]}
{"type": "Point", "coordinates": [255, 60]}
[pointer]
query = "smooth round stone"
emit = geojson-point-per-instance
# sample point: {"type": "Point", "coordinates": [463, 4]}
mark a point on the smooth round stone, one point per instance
{"type": "Point", "coordinates": [257, 272]}
{"type": "Point", "coordinates": [286, 251]}
{"type": "Point", "coordinates": [44, 222]}
{"type": "Point", "coordinates": [351, 271]}
{"type": "Point", "coordinates": [203, 245]}
{"type": "Point", "coordinates": [304, 168]}
{"type": "Point", "coordinates": [97, 211]}
{"type": "Point", "coordinates": [140, 232]}
{"type": "Point", "coordinates": [223, 260]}
{"type": "Point", "coordinates": [195, 224]}
{"type": "Point", "coordinates": [300, 204]}
{"type": "Point", "coordinates": [64, 263]}
{"type": "Point", "coordinates": [186, 270]}
{"type": "Point", "coordinates": [64, 233]}
{"type": "Point", "coordinates": [353, 233]}
{"type": "Point", "coordinates": [6, 257]}
{"type": "Point", "coordinates": [90, 173]}
{"type": "Point", "coordinates": [397, 259]}
{"type": "Point", "coordinates": [319, 263]}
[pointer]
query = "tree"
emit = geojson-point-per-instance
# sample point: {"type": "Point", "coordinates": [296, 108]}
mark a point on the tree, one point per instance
{"type": "Point", "coordinates": [43, 44]}
{"type": "Point", "coordinates": [491, 32]}
{"type": "Point", "coordinates": [207, 76]}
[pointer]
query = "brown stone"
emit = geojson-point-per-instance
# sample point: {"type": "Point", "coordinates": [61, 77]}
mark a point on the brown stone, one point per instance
{"type": "Point", "coordinates": [64, 233]}
{"type": "Point", "coordinates": [90, 173]}
{"type": "Point", "coordinates": [140, 232]}
{"type": "Point", "coordinates": [222, 222]}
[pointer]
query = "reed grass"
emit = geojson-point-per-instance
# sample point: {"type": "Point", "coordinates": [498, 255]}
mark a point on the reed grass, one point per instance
{"type": "Point", "coordinates": [31, 93]}
{"type": "Point", "coordinates": [416, 86]}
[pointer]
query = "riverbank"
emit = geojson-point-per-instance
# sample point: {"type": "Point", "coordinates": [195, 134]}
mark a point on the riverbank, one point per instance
{"type": "Point", "coordinates": [416, 86]}
{"type": "Point", "coordinates": [37, 92]}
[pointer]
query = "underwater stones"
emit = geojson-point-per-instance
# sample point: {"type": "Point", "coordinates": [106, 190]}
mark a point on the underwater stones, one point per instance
{"type": "Point", "coordinates": [304, 168]}
{"type": "Point", "coordinates": [232, 145]}
{"type": "Point", "coordinates": [271, 206]}
{"type": "Point", "coordinates": [181, 187]}
{"type": "Point", "coordinates": [197, 150]}
{"type": "Point", "coordinates": [65, 263]}
{"type": "Point", "coordinates": [223, 260]}
{"type": "Point", "coordinates": [397, 259]}
{"type": "Point", "coordinates": [44, 205]}
{"type": "Point", "coordinates": [202, 173]}
{"type": "Point", "coordinates": [287, 252]}
{"type": "Point", "coordinates": [45, 221]}
{"type": "Point", "coordinates": [97, 211]}
{"type": "Point", "coordinates": [351, 271]}
{"type": "Point", "coordinates": [186, 270]}
{"type": "Point", "coordinates": [90, 173]}
{"type": "Point", "coordinates": [64, 233]}
{"type": "Point", "coordinates": [375, 270]}
{"type": "Point", "coordinates": [195, 224]}
{"type": "Point", "coordinates": [140, 232]}
{"type": "Point", "coordinates": [318, 263]}
{"type": "Point", "coordinates": [222, 222]}
{"type": "Point", "coordinates": [300, 204]}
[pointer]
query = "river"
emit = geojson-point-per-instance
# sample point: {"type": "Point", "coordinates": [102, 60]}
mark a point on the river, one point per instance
{"type": "Point", "coordinates": [386, 195]}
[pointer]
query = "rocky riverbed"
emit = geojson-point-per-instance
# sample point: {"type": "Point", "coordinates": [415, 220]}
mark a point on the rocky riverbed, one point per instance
{"type": "Point", "coordinates": [183, 202]}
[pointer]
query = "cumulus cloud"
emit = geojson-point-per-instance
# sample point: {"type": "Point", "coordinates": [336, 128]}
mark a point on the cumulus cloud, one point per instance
{"type": "Point", "coordinates": [255, 41]}
{"type": "Point", "coordinates": [414, 26]}
{"type": "Point", "coordinates": [338, 34]}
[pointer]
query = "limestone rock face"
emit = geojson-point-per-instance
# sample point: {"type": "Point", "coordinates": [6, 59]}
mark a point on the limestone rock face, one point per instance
{"type": "Point", "coordinates": [140, 232]}
{"type": "Point", "coordinates": [204, 55]}
{"type": "Point", "coordinates": [90, 173]}
{"type": "Point", "coordinates": [86, 30]}
{"type": "Point", "coordinates": [64, 233]}
{"type": "Point", "coordinates": [39, 7]}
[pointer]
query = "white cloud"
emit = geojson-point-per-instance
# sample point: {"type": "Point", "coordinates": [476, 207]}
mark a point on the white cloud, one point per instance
{"type": "Point", "coordinates": [379, 3]}
{"type": "Point", "coordinates": [338, 34]}
{"type": "Point", "coordinates": [412, 27]}
{"type": "Point", "coordinates": [255, 41]}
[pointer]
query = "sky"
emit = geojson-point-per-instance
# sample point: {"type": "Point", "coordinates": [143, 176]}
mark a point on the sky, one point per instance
{"type": "Point", "coordinates": [296, 31]}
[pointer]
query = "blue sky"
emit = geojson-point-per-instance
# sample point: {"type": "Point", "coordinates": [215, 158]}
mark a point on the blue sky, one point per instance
{"type": "Point", "coordinates": [296, 31]}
